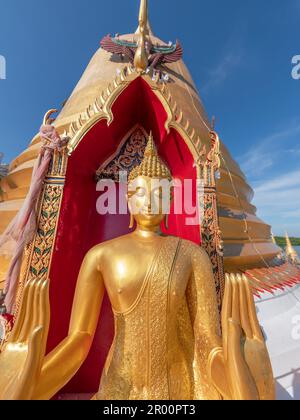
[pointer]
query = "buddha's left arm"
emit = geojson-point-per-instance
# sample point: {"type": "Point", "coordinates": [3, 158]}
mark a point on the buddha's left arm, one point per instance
{"type": "Point", "coordinates": [202, 303]}
{"type": "Point", "coordinates": [66, 359]}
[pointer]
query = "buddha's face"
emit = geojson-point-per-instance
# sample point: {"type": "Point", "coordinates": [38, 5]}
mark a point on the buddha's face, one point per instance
{"type": "Point", "coordinates": [148, 201]}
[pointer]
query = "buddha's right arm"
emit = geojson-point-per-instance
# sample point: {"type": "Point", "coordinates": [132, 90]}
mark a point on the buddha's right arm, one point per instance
{"type": "Point", "coordinates": [63, 362]}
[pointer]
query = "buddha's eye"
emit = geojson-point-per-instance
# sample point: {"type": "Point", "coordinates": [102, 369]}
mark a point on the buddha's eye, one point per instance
{"type": "Point", "coordinates": [140, 192]}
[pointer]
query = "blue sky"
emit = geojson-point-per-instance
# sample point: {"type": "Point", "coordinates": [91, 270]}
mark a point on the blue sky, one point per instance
{"type": "Point", "coordinates": [239, 54]}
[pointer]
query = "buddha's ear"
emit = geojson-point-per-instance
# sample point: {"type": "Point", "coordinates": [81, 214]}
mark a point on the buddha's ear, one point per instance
{"type": "Point", "coordinates": [132, 221]}
{"type": "Point", "coordinates": [131, 225]}
{"type": "Point", "coordinates": [167, 222]}
{"type": "Point", "coordinates": [172, 194]}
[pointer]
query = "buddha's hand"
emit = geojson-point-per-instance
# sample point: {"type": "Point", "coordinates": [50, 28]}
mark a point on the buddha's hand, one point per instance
{"type": "Point", "coordinates": [22, 358]}
{"type": "Point", "coordinates": [241, 369]}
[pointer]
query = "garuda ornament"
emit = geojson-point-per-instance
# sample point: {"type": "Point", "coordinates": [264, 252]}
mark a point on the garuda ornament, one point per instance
{"type": "Point", "coordinates": [157, 55]}
{"type": "Point", "coordinates": [141, 52]}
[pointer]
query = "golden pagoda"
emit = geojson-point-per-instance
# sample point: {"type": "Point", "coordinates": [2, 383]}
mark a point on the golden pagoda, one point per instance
{"type": "Point", "coordinates": [247, 239]}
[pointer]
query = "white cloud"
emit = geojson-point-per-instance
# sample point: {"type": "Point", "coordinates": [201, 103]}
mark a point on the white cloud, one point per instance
{"type": "Point", "coordinates": [223, 70]}
{"type": "Point", "coordinates": [230, 59]}
{"type": "Point", "coordinates": [293, 214]}
{"type": "Point", "coordinates": [269, 150]}
{"type": "Point", "coordinates": [280, 184]}
{"type": "Point", "coordinates": [278, 202]}
{"type": "Point", "coordinates": [294, 152]}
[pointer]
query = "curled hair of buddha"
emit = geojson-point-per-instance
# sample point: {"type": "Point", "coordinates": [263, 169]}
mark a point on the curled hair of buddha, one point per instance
{"type": "Point", "coordinates": [152, 165]}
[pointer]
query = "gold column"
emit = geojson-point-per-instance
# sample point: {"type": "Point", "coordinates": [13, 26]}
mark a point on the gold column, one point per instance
{"type": "Point", "coordinates": [40, 251]}
{"type": "Point", "coordinates": [207, 166]}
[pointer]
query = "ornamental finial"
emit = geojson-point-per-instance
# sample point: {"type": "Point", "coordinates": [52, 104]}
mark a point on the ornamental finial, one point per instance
{"type": "Point", "coordinates": [144, 18]}
{"type": "Point", "coordinates": [141, 57]}
{"type": "Point", "coordinates": [152, 165]}
{"type": "Point", "coordinates": [151, 148]}
{"type": "Point", "coordinates": [290, 251]}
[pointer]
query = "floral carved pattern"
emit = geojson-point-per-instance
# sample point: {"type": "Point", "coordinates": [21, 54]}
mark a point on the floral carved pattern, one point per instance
{"type": "Point", "coordinates": [41, 249]}
{"type": "Point", "coordinates": [211, 240]}
{"type": "Point", "coordinates": [130, 156]}
{"type": "Point", "coordinates": [45, 236]}
{"type": "Point", "coordinates": [209, 165]}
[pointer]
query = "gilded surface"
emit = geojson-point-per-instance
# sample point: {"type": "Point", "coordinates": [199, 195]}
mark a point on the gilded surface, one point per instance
{"type": "Point", "coordinates": [208, 165]}
{"type": "Point", "coordinates": [42, 247]}
{"type": "Point", "coordinates": [85, 107]}
{"type": "Point", "coordinates": [38, 255]}
{"type": "Point", "coordinates": [162, 344]}
{"type": "Point", "coordinates": [167, 343]}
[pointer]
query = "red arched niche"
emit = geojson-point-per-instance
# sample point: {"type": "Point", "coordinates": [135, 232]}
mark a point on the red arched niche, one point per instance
{"type": "Point", "coordinates": [80, 227]}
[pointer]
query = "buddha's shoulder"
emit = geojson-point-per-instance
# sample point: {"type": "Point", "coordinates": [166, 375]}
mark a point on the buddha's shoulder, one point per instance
{"type": "Point", "coordinates": [109, 245]}
{"type": "Point", "coordinates": [126, 242]}
{"type": "Point", "coordinates": [195, 251]}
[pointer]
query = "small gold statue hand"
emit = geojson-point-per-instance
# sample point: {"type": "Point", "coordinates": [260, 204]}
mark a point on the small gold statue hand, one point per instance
{"type": "Point", "coordinates": [22, 358]}
{"type": "Point", "coordinates": [241, 370]}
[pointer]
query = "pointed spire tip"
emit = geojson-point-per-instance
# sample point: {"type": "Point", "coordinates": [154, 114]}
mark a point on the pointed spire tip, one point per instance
{"type": "Point", "coordinates": [144, 18]}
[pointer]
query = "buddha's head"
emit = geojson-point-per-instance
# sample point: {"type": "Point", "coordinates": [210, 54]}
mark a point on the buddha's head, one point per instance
{"type": "Point", "coordinates": [149, 190]}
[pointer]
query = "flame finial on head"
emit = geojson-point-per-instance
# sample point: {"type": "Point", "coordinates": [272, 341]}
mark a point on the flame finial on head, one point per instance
{"type": "Point", "coordinates": [152, 165]}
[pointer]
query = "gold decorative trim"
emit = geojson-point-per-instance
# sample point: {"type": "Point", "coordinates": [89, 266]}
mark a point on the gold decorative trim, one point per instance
{"type": "Point", "coordinates": [176, 118]}
{"type": "Point", "coordinates": [39, 253]}
{"type": "Point", "coordinates": [42, 249]}
{"type": "Point", "coordinates": [206, 163]}
{"type": "Point", "coordinates": [207, 166]}
{"type": "Point", "coordinates": [101, 109]}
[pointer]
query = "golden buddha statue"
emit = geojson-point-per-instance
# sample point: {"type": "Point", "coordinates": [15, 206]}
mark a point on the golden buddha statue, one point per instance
{"type": "Point", "coordinates": [167, 343]}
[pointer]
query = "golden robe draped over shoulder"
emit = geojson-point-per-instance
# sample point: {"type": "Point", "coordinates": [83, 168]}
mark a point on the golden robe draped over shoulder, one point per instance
{"type": "Point", "coordinates": [161, 345]}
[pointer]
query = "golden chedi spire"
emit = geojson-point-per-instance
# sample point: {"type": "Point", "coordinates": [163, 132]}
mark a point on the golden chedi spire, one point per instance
{"type": "Point", "coordinates": [141, 54]}
{"type": "Point", "coordinates": [290, 251]}
{"type": "Point", "coordinates": [152, 165]}
{"type": "Point", "coordinates": [99, 73]}
{"type": "Point", "coordinates": [144, 16]}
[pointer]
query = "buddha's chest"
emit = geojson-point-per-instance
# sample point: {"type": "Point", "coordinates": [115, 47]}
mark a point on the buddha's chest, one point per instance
{"type": "Point", "coordinates": [131, 272]}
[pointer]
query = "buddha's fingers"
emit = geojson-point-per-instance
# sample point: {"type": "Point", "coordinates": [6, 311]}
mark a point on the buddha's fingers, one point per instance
{"type": "Point", "coordinates": [256, 329]}
{"type": "Point", "coordinates": [241, 382]}
{"type": "Point", "coordinates": [235, 299]}
{"type": "Point", "coordinates": [244, 311]}
{"type": "Point", "coordinates": [31, 371]}
{"type": "Point", "coordinates": [35, 309]}
{"type": "Point", "coordinates": [226, 312]}
{"type": "Point", "coordinates": [14, 337]}
{"type": "Point", "coordinates": [234, 359]}
{"type": "Point", "coordinates": [44, 309]}
{"type": "Point", "coordinates": [29, 315]}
